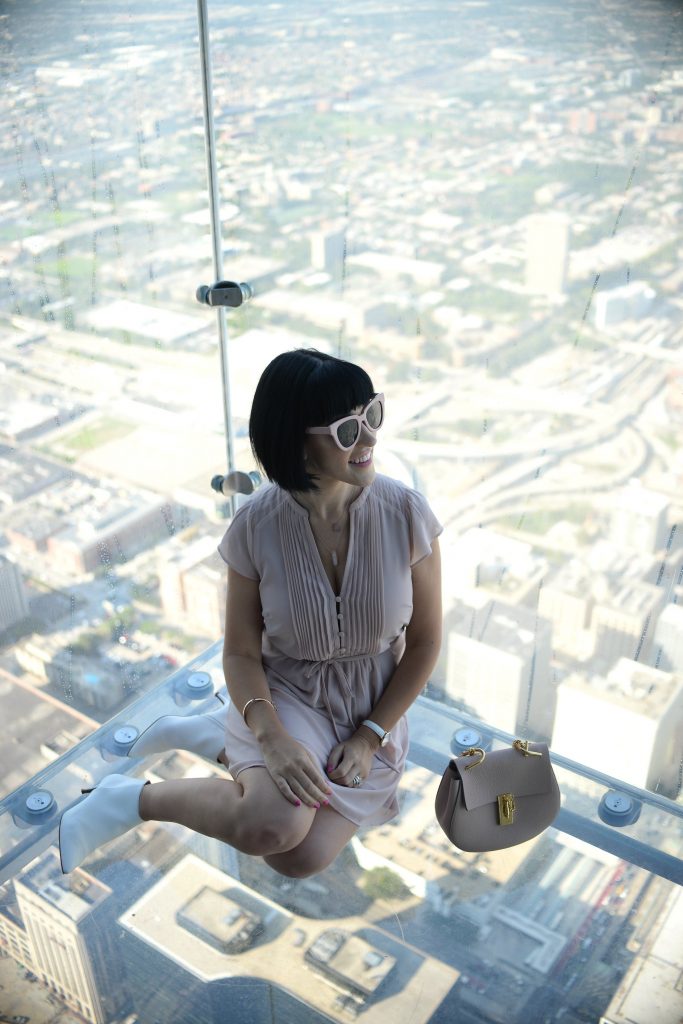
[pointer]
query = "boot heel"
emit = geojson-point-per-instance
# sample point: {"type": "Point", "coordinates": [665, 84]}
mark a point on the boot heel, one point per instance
{"type": "Point", "coordinates": [88, 790]}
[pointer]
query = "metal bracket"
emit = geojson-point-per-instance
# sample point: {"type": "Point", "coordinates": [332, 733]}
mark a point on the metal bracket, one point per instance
{"type": "Point", "coordinates": [224, 293]}
{"type": "Point", "coordinates": [236, 482]}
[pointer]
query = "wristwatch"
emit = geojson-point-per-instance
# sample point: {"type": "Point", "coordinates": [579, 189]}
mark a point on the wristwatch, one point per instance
{"type": "Point", "coordinates": [378, 730]}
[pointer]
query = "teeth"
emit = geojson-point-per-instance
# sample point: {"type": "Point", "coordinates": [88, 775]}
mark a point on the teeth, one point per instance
{"type": "Point", "coordinates": [364, 458]}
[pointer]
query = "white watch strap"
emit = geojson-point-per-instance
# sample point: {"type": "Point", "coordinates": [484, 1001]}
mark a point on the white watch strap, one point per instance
{"type": "Point", "coordinates": [375, 728]}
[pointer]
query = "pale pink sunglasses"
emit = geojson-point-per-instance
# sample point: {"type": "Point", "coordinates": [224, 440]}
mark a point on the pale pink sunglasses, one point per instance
{"type": "Point", "coordinates": [346, 431]}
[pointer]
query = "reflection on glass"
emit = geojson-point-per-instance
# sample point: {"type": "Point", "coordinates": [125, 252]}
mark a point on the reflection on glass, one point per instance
{"type": "Point", "coordinates": [481, 204]}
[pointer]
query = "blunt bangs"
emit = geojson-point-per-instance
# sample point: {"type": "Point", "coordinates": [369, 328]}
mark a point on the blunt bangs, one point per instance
{"type": "Point", "coordinates": [334, 389]}
{"type": "Point", "coordinates": [300, 389]}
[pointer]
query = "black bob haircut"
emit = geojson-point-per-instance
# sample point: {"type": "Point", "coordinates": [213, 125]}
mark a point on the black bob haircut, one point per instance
{"type": "Point", "coordinates": [300, 389]}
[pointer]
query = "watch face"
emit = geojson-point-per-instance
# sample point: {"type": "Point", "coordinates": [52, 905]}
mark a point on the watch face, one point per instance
{"type": "Point", "coordinates": [385, 739]}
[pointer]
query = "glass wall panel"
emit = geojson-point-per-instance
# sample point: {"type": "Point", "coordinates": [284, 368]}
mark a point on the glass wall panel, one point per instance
{"type": "Point", "coordinates": [111, 422]}
{"type": "Point", "coordinates": [481, 203]}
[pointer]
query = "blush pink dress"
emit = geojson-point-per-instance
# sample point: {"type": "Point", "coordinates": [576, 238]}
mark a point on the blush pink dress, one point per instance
{"type": "Point", "coordinates": [328, 657]}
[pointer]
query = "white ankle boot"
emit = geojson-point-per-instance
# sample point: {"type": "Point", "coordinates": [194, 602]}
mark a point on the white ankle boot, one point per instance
{"type": "Point", "coordinates": [201, 734]}
{"type": "Point", "coordinates": [109, 811]}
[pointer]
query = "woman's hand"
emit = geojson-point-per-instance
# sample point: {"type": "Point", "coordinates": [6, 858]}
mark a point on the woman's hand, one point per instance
{"type": "Point", "coordinates": [350, 758]}
{"type": "Point", "coordinates": [294, 772]}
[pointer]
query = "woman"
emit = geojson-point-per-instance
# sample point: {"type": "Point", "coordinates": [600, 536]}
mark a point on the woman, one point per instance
{"type": "Point", "coordinates": [333, 626]}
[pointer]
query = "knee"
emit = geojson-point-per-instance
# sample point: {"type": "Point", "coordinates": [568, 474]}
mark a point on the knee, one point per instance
{"type": "Point", "coordinates": [297, 863]}
{"type": "Point", "coordinates": [261, 838]}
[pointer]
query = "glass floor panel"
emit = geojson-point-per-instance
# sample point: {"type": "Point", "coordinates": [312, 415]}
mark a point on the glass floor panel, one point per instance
{"type": "Point", "coordinates": [164, 925]}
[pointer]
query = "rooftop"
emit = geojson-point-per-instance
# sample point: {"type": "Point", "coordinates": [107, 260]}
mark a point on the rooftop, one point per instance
{"type": "Point", "coordinates": [75, 895]}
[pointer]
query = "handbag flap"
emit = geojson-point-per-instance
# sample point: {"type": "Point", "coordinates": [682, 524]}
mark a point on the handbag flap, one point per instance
{"type": "Point", "coordinates": [504, 771]}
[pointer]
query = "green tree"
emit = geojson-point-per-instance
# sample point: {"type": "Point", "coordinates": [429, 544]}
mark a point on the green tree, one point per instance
{"type": "Point", "coordinates": [384, 884]}
{"type": "Point", "coordinates": [87, 644]}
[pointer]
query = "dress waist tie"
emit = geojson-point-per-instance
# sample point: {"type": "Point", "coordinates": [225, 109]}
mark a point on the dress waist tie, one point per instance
{"type": "Point", "coordinates": [333, 668]}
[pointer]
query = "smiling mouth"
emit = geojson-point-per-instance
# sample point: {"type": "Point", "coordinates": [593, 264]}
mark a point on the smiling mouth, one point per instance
{"type": "Point", "coordinates": [362, 461]}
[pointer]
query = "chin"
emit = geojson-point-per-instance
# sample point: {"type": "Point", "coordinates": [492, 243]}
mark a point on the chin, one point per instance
{"type": "Point", "coordinates": [363, 475]}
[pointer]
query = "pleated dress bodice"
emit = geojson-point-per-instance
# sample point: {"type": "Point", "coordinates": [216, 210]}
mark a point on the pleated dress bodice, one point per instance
{"type": "Point", "coordinates": [332, 654]}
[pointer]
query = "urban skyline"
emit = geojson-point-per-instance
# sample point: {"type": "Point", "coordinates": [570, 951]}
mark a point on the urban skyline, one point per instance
{"type": "Point", "coordinates": [488, 219]}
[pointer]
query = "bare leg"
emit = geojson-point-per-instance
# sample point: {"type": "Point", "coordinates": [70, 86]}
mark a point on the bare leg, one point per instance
{"type": "Point", "coordinates": [251, 815]}
{"type": "Point", "coordinates": [326, 838]}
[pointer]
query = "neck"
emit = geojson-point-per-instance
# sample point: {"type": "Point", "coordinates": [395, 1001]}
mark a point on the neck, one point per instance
{"type": "Point", "coordinates": [330, 502]}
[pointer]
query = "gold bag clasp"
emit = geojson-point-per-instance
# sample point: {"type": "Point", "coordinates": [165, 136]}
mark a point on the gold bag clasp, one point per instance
{"type": "Point", "coordinates": [506, 808]}
{"type": "Point", "coordinates": [471, 753]}
{"type": "Point", "coordinates": [523, 747]}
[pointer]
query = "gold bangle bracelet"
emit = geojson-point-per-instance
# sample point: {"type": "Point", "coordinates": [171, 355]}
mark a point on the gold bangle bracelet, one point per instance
{"type": "Point", "coordinates": [254, 700]}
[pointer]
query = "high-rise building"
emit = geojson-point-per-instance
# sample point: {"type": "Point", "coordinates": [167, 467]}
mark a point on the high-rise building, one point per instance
{"type": "Point", "coordinates": [628, 724]}
{"type": "Point", "coordinates": [668, 639]}
{"type": "Point", "coordinates": [566, 600]}
{"type": "Point", "coordinates": [71, 951]}
{"type": "Point", "coordinates": [205, 588]}
{"type": "Point", "coordinates": [639, 519]}
{"type": "Point", "coordinates": [498, 665]}
{"type": "Point", "coordinates": [328, 250]}
{"type": "Point", "coordinates": [627, 302]}
{"type": "Point", "coordinates": [170, 571]}
{"type": "Point", "coordinates": [547, 258]}
{"type": "Point", "coordinates": [505, 568]}
{"type": "Point", "coordinates": [13, 938]}
{"type": "Point", "coordinates": [193, 585]}
{"type": "Point", "coordinates": [623, 625]}
{"type": "Point", "coordinates": [13, 599]}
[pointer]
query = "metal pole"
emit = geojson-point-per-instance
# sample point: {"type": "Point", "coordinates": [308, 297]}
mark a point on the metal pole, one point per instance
{"type": "Point", "coordinates": [214, 208]}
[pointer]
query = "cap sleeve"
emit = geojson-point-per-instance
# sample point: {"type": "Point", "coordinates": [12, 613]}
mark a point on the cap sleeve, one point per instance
{"type": "Point", "coordinates": [235, 547]}
{"type": "Point", "coordinates": [424, 526]}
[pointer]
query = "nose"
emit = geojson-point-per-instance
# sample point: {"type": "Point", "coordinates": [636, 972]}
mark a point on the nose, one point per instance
{"type": "Point", "coordinates": [367, 436]}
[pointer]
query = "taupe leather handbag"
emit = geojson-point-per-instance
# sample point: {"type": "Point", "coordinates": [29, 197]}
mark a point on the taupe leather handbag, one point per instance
{"type": "Point", "coordinates": [500, 799]}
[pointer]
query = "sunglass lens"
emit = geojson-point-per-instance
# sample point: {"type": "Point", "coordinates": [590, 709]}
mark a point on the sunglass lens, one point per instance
{"type": "Point", "coordinates": [375, 414]}
{"type": "Point", "coordinates": [347, 433]}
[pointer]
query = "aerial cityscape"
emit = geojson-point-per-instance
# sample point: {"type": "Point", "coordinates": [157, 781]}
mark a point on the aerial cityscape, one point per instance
{"type": "Point", "coordinates": [480, 203]}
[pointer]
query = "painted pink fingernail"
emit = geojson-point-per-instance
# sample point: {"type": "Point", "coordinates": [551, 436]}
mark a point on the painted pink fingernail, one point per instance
{"type": "Point", "coordinates": [326, 803]}
{"type": "Point", "coordinates": [317, 806]}
{"type": "Point", "coordinates": [298, 803]}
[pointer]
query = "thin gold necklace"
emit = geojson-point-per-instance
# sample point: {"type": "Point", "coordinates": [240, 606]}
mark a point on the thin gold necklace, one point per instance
{"type": "Point", "coordinates": [337, 527]}
{"type": "Point", "coordinates": [332, 551]}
